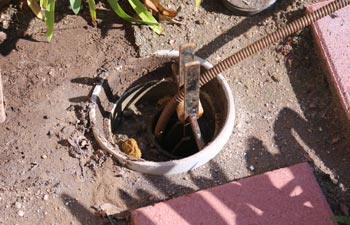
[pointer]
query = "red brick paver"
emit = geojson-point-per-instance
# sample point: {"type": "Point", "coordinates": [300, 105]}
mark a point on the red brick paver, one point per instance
{"type": "Point", "coordinates": [332, 35]}
{"type": "Point", "coordinates": [285, 196]}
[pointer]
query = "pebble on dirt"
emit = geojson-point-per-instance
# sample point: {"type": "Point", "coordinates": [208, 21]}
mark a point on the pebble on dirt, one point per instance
{"type": "Point", "coordinates": [20, 213]}
{"type": "Point", "coordinates": [46, 197]}
{"type": "Point", "coordinates": [18, 205]}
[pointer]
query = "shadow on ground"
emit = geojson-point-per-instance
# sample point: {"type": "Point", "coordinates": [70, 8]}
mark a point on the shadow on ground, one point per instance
{"type": "Point", "coordinates": [23, 17]}
{"type": "Point", "coordinates": [242, 27]}
{"type": "Point", "coordinates": [81, 213]}
{"type": "Point", "coordinates": [318, 134]}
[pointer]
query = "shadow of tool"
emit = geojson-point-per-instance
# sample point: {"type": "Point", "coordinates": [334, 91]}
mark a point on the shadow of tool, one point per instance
{"type": "Point", "coordinates": [80, 212]}
{"type": "Point", "coordinates": [316, 134]}
{"type": "Point", "coordinates": [322, 130]}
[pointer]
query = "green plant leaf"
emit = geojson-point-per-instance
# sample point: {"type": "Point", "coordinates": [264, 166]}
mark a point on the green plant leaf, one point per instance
{"type": "Point", "coordinates": [122, 14]}
{"type": "Point", "coordinates": [341, 219]}
{"type": "Point", "coordinates": [145, 15]}
{"type": "Point", "coordinates": [50, 19]}
{"type": "Point", "coordinates": [92, 8]}
{"type": "Point", "coordinates": [198, 3]}
{"type": "Point", "coordinates": [43, 3]}
{"type": "Point", "coordinates": [76, 6]}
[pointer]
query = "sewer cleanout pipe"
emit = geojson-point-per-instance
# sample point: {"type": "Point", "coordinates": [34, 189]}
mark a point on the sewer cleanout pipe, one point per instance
{"type": "Point", "coordinates": [244, 53]}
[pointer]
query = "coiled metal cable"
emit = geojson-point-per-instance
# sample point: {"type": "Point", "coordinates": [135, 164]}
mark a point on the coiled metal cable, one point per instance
{"type": "Point", "coordinates": [245, 53]}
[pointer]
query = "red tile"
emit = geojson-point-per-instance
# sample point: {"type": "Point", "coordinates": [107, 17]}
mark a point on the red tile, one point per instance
{"type": "Point", "coordinates": [285, 196]}
{"type": "Point", "coordinates": [332, 35]}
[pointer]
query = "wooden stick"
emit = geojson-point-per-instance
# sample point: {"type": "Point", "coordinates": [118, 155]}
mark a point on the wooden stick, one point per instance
{"type": "Point", "coordinates": [2, 107]}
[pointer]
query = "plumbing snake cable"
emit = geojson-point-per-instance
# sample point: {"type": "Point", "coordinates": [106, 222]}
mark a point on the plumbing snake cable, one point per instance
{"type": "Point", "coordinates": [244, 53]}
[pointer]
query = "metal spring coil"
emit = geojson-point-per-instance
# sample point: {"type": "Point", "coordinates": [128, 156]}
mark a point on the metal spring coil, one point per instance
{"type": "Point", "coordinates": [245, 53]}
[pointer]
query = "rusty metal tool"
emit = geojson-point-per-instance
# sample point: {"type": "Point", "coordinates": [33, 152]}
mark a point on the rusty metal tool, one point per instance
{"type": "Point", "coordinates": [187, 76]}
{"type": "Point", "coordinates": [2, 107]}
{"type": "Point", "coordinates": [244, 53]}
{"type": "Point", "coordinates": [192, 77]}
{"type": "Point", "coordinates": [186, 54]}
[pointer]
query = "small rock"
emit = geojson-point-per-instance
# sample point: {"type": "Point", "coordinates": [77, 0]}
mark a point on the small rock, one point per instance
{"type": "Point", "coordinates": [44, 156]}
{"type": "Point", "coordinates": [51, 73]}
{"type": "Point", "coordinates": [49, 133]}
{"type": "Point", "coordinates": [46, 197]}
{"type": "Point", "coordinates": [274, 78]}
{"type": "Point", "coordinates": [334, 179]}
{"type": "Point", "coordinates": [5, 24]}
{"type": "Point", "coordinates": [251, 168]}
{"type": "Point", "coordinates": [172, 42]}
{"type": "Point", "coordinates": [18, 205]}
{"type": "Point", "coordinates": [20, 213]}
{"type": "Point", "coordinates": [342, 187]}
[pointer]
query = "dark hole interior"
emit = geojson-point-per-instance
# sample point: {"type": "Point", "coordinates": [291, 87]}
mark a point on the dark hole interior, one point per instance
{"type": "Point", "coordinates": [178, 139]}
{"type": "Point", "coordinates": [138, 120]}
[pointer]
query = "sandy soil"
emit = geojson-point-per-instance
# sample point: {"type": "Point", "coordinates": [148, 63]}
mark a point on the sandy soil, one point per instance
{"type": "Point", "coordinates": [286, 112]}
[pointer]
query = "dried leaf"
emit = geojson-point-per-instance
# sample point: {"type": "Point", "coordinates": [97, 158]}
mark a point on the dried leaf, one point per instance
{"type": "Point", "coordinates": [34, 6]}
{"type": "Point", "coordinates": [150, 5]}
{"type": "Point", "coordinates": [166, 19]}
{"type": "Point", "coordinates": [145, 15]}
{"type": "Point", "coordinates": [158, 8]}
{"type": "Point", "coordinates": [109, 209]}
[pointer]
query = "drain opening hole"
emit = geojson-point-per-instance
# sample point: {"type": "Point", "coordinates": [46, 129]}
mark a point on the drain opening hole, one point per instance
{"type": "Point", "coordinates": [178, 140]}
{"type": "Point", "coordinates": [137, 112]}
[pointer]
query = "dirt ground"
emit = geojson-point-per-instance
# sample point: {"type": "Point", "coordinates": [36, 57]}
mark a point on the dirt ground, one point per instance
{"type": "Point", "coordinates": [286, 113]}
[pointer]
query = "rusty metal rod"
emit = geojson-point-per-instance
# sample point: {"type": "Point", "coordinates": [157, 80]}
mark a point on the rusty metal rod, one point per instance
{"type": "Point", "coordinates": [245, 53]}
{"type": "Point", "coordinates": [192, 77]}
{"type": "Point", "coordinates": [197, 135]}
